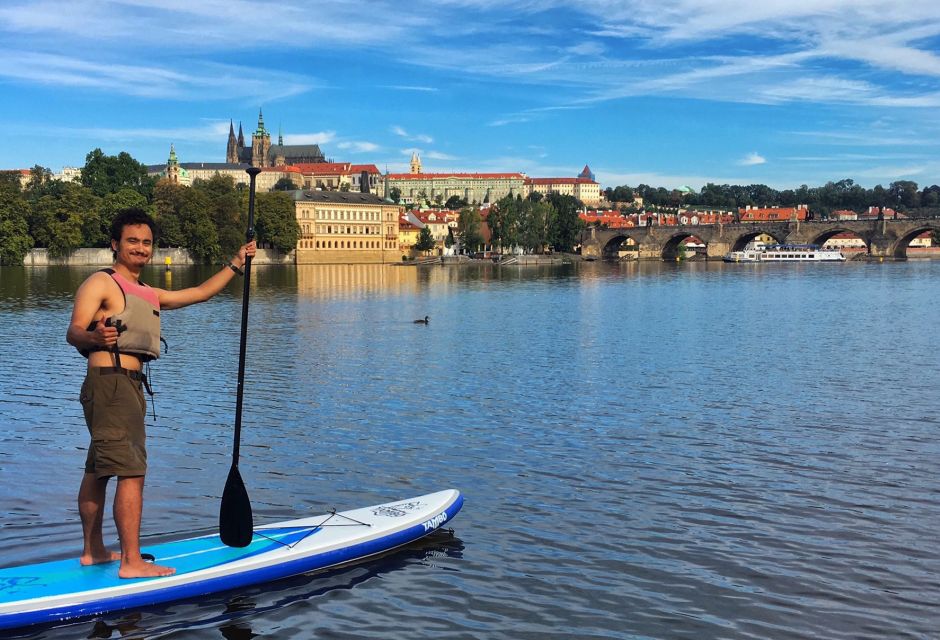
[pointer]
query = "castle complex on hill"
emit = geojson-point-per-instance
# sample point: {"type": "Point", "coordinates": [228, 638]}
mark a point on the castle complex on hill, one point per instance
{"type": "Point", "coordinates": [262, 153]}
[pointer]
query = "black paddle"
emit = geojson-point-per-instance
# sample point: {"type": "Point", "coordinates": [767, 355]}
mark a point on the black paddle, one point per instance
{"type": "Point", "coordinates": [235, 522]}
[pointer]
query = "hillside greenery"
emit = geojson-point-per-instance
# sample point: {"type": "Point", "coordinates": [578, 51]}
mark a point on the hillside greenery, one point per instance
{"type": "Point", "coordinates": [208, 219]}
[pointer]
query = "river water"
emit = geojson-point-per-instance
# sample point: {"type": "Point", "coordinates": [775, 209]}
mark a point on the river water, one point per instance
{"type": "Point", "coordinates": [647, 450]}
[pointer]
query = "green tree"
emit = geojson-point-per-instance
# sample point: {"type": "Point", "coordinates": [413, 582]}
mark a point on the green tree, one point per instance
{"type": "Point", "coordinates": [105, 174]}
{"type": "Point", "coordinates": [425, 240]}
{"type": "Point", "coordinates": [201, 236]}
{"type": "Point", "coordinates": [455, 202]}
{"type": "Point", "coordinates": [468, 228]}
{"type": "Point", "coordinates": [15, 240]}
{"type": "Point", "coordinates": [285, 184]}
{"type": "Point", "coordinates": [38, 176]}
{"type": "Point", "coordinates": [395, 194]}
{"type": "Point", "coordinates": [538, 219]}
{"type": "Point", "coordinates": [450, 241]}
{"type": "Point", "coordinates": [904, 195]}
{"type": "Point", "coordinates": [60, 219]}
{"type": "Point", "coordinates": [275, 221]}
{"type": "Point", "coordinates": [96, 228]}
{"type": "Point", "coordinates": [505, 222]}
{"type": "Point", "coordinates": [10, 180]}
{"type": "Point", "coordinates": [227, 208]}
{"type": "Point", "coordinates": [168, 202]}
{"type": "Point", "coordinates": [619, 194]}
{"type": "Point", "coordinates": [567, 224]}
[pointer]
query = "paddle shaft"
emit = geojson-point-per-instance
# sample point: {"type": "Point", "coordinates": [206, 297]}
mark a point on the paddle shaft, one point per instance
{"type": "Point", "coordinates": [242, 348]}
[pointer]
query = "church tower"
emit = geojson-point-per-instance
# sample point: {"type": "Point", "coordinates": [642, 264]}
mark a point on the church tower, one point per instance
{"type": "Point", "coordinates": [231, 152]}
{"type": "Point", "coordinates": [260, 144]}
{"type": "Point", "coordinates": [173, 167]}
{"type": "Point", "coordinates": [415, 162]}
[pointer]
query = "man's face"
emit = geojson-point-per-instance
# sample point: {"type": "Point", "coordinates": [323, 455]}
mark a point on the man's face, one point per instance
{"type": "Point", "coordinates": [135, 246]}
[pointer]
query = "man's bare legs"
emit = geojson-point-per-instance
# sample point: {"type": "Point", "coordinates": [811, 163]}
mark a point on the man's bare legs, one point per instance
{"type": "Point", "coordinates": [91, 497]}
{"type": "Point", "coordinates": [128, 505]}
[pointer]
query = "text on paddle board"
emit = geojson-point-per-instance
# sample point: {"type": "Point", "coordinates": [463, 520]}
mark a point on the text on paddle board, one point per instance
{"type": "Point", "coordinates": [435, 522]}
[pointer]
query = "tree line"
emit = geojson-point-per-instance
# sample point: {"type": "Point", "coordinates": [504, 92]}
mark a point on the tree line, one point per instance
{"type": "Point", "coordinates": [901, 195]}
{"type": "Point", "coordinates": [536, 224]}
{"type": "Point", "coordinates": [208, 219]}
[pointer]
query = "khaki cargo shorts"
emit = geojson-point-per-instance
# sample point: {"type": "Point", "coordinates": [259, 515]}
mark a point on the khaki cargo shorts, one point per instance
{"type": "Point", "coordinates": [114, 409]}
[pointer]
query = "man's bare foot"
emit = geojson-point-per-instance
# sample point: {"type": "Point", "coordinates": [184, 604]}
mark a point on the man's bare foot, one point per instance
{"type": "Point", "coordinates": [141, 569]}
{"type": "Point", "coordinates": [99, 557]}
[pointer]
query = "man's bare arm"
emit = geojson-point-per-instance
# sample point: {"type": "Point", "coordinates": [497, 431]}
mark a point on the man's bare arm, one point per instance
{"type": "Point", "coordinates": [89, 300]}
{"type": "Point", "coordinates": [192, 295]}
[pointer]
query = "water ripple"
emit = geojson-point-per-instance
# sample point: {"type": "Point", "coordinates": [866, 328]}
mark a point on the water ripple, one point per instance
{"type": "Point", "coordinates": [647, 451]}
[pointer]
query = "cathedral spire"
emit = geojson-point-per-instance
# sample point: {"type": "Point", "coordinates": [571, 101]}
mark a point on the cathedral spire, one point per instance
{"type": "Point", "coordinates": [260, 130]}
{"type": "Point", "coordinates": [280, 137]}
{"type": "Point", "coordinates": [241, 136]}
{"type": "Point", "coordinates": [231, 151]}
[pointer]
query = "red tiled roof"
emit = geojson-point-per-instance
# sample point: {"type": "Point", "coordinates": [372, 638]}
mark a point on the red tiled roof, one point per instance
{"type": "Point", "coordinates": [441, 217]}
{"type": "Point", "coordinates": [284, 168]}
{"type": "Point", "coordinates": [476, 176]}
{"type": "Point", "coordinates": [550, 181]}
{"type": "Point", "coordinates": [335, 168]}
{"type": "Point", "coordinates": [405, 225]}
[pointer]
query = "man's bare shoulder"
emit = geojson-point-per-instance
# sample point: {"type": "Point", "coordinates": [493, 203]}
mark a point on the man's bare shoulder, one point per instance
{"type": "Point", "coordinates": [97, 283]}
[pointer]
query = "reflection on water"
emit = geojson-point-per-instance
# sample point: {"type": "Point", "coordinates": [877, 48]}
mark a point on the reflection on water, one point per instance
{"type": "Point", "coordinates": [647, 450]}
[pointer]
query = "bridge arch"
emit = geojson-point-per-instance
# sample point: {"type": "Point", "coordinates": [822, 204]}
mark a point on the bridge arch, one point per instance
{"type": "Point", "coordinates": [613, 246]}
{"type": "Point", "coordinates": [849, 252]}
{"type": "Point", "coordinates": [899, 250]}
{"type": "Point", "coordinates": [742, 240]}
{"type": "Point", "coordinates": [672, 247]}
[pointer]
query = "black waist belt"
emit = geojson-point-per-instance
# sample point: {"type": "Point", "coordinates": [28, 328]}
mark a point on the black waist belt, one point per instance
{"type": "Point", "coordinates": [130, 373]}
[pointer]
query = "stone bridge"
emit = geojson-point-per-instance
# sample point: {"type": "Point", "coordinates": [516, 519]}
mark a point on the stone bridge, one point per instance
{"type": "Point", "coordinates": [883, 238]}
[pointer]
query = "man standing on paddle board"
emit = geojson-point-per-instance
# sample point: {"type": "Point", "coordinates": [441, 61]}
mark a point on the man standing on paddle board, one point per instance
{"type": "Point", "coordinates": [116, 325]}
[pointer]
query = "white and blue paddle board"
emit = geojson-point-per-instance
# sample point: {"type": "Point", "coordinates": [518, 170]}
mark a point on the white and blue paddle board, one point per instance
{"type": "Point", "coordinates": [62, 590]}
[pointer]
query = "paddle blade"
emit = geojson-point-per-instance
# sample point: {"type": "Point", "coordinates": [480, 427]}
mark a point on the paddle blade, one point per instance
{"type": "Point", "coordinates": [235, 522]}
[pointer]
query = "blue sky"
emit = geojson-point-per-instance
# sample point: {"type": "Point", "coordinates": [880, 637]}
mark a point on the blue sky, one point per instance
{"type": "Point", "coordinates": [664, 92]}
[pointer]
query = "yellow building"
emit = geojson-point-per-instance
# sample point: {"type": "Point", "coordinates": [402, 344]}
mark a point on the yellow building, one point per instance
{"type": "Point", "coordinates": [408, 234]}
{"type": "Point", "coordinates": [339, 227]}
{"type": "Point", "coordinates": [584, 189]}
{"type": "Point", "coordinates": [335, 176]}
{"type": "Point", "coordinates": [476, 188]}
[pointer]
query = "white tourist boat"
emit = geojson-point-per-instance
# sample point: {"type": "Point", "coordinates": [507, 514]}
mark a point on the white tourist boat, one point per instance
{"type": "Point", "coordinates": [760, 252]}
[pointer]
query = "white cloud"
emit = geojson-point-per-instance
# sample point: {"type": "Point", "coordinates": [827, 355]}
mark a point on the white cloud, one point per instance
{"type": "Point", "coordinates": [420, 137]}
{"type": "Point", "coordinates": [320, 137]}
{"type": "Point", "coordinates": [751, 159]}
{"type": "Point", "coordinates": [358, 147]}
{"type": "Point", "coordinates": [586, 49]}
{"type": "Point", "coordinates": [398, 87]}
{"type": "Point", "coordinates": [212, 131]}
{"type": "Point", "coordinates": [426, 155]}
{"type": "Point", "coordinates": [502, 122]}
{"type": "Point", "coordinates": [200, 82]}
{"type": "Point", "coordinates": [615, 178]}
